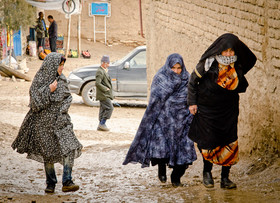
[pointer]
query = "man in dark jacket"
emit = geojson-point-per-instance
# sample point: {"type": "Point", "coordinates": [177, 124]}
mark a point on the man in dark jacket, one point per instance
{"type": "Point", "coordinates": [104, 93]}
{"type": "Point", "coordinates": [52, 33]}
{"type": "Point", "coordinates": [41, 31]}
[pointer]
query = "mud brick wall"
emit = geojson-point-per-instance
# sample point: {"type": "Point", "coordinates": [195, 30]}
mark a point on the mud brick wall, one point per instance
{"type": "Point", "coordinates": [188, 27]}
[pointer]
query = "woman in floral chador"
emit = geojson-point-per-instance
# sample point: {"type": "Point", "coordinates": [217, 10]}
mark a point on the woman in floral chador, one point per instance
{"type": "Point", "coordinates": [162, 135]}
{"type": "Point", "coordinates": [46, 134]}
{"type": "Point", "coordinates": [213, 98]}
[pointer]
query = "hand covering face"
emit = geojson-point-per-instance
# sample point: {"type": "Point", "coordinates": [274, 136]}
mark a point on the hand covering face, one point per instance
{"type": "Point", "coordinates": [43, 78]}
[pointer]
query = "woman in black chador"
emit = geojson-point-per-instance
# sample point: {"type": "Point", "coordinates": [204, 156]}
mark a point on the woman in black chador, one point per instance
{"type": "Point", "coordinates": [213, 98]}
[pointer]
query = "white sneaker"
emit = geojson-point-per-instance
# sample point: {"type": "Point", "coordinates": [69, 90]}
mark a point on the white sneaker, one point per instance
{"type": "Point", "coordinates": [102, 127]}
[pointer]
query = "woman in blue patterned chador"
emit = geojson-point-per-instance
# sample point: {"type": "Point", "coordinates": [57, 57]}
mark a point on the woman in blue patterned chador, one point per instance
{"type": "Point", "coordinates": [162, 135]}
{"type": "Point", "coordinates": [46, 134]}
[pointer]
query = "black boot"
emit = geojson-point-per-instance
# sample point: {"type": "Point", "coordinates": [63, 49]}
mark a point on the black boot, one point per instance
{"type": "Point", "coordinates": [50, 188]}
{"type": "Point", "coordinates": [207, 175]}
{"type": "Point", "coordinates": [225, 181]}
{"type": "Point", "coordinates": [177, 173]}
{"type": "Point", "coordinates": [162, 172]}
{"type": "Point", "coordinates": [208, 180]}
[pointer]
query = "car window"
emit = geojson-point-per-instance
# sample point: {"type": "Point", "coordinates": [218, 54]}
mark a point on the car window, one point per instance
{"type": "Point", "coordinates": [138, 61]}
{"type": "Point", "coordinates": [116, 63]}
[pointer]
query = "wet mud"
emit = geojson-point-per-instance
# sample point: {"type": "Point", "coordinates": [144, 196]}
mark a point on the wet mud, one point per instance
{"type": "Point", "coordinates": [103, 178]}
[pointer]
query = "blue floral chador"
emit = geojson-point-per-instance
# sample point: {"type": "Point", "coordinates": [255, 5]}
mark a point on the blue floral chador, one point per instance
{"type": "Point", "coordinates": [163, 131]}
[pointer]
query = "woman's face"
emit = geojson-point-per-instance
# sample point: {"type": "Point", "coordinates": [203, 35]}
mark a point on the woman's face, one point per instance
{"type": "Point", "coordinates": [60, 68]}
{"type": "Point", "coordinates": [177, 68]}
{"type": "Point", "coordinates": [228, 52]}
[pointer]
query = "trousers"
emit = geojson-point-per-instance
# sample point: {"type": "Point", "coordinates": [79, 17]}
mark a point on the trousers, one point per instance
{"type": "Point", "coordinates": [51, 175]}
{"type": "Point", "coordinates": [41, 42]}
{"type": "Point", "coordinates": [106, 109]}
{"type": "Point", "coordinates": [53, 43]}
{"type": "Point", "coordinates": [177, 172]}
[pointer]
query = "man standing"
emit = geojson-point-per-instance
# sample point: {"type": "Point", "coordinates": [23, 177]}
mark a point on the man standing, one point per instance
{"type": "Point", "coordinates": [41, 31]}
{"type": "Point", "coordinates": [104, 93]}
{"type": "Point", "coordinates": [52, 33]}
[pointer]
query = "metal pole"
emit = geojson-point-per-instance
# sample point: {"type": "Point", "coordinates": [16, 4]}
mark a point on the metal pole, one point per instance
{"type": "Point", "coordinates": [94, 28]}
{"type": "Point", "coordinates": [141, 24]}
{"type": "Point", "coordinates": [68, 40]}
{"type": "Point", "coordinates": [105, 29]}
{"type": "Point", "coordinates": [79, 35]}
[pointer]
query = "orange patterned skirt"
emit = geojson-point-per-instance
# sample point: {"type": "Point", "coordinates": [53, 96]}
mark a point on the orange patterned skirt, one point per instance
{"type": "Point", "coordinates": [225, 156]}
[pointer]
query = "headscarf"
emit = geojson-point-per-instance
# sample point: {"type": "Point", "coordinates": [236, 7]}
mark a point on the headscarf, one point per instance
{"type": "Point", "coordinates": [169, 78]}
{"type": "Point", "coordinates": [170, 62]}
{"type": "Point", "coordinates": [245, 61]}
{"type": "Point", "coordinates": [245, 56]}
{"type": "Point", "coordinates": [46, 75]}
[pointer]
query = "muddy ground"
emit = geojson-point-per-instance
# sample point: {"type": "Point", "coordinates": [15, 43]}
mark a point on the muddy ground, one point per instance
{"type": "Point", "coordinates": [99, 171]}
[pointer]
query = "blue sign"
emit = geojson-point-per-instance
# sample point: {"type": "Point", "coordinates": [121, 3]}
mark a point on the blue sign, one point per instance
{"type": "Point", "coordinates": [100, 9]}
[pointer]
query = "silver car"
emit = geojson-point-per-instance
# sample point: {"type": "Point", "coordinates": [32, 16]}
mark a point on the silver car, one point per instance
{"type": "Point", "coordinates": [128, 75]}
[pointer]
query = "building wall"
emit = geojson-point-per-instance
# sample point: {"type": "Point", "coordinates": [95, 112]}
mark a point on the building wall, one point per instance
{"type": "Point", "coordinates": [188, 27]}
{"type": "Point", "coordinates": [123, 24]}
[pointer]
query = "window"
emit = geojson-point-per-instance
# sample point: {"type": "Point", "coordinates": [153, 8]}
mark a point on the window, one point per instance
{"type": "Point", "coordinates": [138, 61]}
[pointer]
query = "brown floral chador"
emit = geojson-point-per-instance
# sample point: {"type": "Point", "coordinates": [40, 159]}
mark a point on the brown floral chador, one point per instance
{"type": "Point", "coordinates": [46, 134]}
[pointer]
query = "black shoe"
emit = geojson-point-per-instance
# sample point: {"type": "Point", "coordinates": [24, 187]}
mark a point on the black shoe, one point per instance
{"type": "Point", "coordinates": [50, 189]}
{"type": "Point", "coordinates": [69, 186]}
{"type": "Point", "coordinates": [175, 180]}
{"type": "Point", "coordinates": [177, 173]}
{"type": "Point", "coordinates": [208, 180]}
{"type": "Point", "coordinates": [227, 183]}
{"type": "Point", "coordinates": [162, 179]}
{"type": "Point", "coordinates": [177, 184]}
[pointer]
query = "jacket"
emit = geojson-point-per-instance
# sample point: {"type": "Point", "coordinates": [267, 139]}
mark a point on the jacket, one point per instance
{"type": "Point", "coordinates": [103, 82]}
{"type": "Point", "coordinates": [40, 30]}
{"type": "Point", "coordinates": [53, 30]}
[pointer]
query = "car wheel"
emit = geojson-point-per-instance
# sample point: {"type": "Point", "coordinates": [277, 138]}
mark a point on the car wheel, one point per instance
{"type": "Point", "coordinates": [89, 94]}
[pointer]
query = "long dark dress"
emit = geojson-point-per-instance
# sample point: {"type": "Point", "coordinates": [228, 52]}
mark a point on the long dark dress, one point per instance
{"type": "Point", "coordinates": [215, 123]}
{"type": "Point", "coordinates": [46, 134]}
{"type": "Point", "coordinates": [163, 131]}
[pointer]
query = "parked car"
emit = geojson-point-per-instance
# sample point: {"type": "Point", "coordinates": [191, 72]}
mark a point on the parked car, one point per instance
{"type": "Point", "coordinates": [128, 75]}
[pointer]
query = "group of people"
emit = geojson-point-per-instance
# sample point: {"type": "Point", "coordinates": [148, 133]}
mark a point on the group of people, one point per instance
{"type": "Point", "coordinates": [200, 107]}
{"type": "Point", "coordinates": [42, 32]}
{"type": "Point", "coordinates": [183, 108]}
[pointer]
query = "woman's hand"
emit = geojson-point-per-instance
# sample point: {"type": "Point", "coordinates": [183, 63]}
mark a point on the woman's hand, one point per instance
{"type": "Point", "coordinates": [53, 86]}
{"type": "Point", "coordinates": [193, 109]}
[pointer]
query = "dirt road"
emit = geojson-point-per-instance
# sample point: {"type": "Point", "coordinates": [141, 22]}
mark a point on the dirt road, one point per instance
{"type": "Point", "coordinates": [99, 171]}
